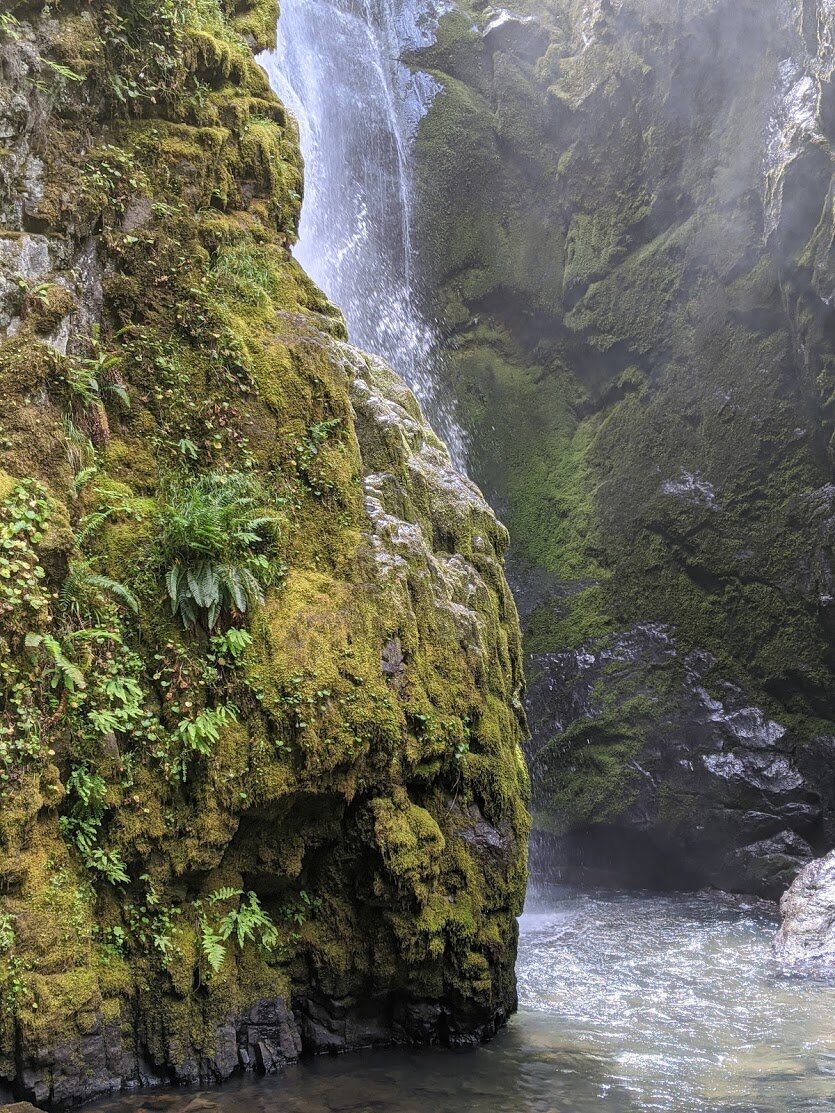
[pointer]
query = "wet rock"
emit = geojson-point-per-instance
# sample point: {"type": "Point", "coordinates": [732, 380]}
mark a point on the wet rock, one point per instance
{"type": "Point", "coordinates": [482, 836]}
{"type": "Point", "coordinates": [512, 32]}
{"type": "Point", "coordinates": [707, 781]}
{"type": "Point", "coordinates": [769, 865]}
{"type": "Point", "coordinates": [268, 1036]}
{"type": "Point", "coordinates": [691, 489]}
{"type": "Point", "coordinates": [392, 657]}
{"type": "Point", "coordinates": [807, 933]}
{"type": "Point", "coordinates": [268, 1058]}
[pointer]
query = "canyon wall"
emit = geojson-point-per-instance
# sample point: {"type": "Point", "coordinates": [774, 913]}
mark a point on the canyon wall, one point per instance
{"type": "Point", "coordinates": [626, 222]}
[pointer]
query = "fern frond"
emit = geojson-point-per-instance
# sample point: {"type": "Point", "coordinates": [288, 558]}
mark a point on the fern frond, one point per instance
{"type": "Point", "coordinates": [91, 524]}
{"type": "Point", "coordinates": [114, 588]}
{"type": "Point", "coordinates": [82, 479]}
{"type": "Point", "coordinates": [212, 946]}
{"type": "Point", "coordinates": [226, 893]}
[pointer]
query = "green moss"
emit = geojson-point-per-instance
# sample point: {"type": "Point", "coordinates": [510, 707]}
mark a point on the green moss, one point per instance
{"type": "Point", "coordinates": [619, 331]}
{"type": "Point", "coordinates": [328, 775]}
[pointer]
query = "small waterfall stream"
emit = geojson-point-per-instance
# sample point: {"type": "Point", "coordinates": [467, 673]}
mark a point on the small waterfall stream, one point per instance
{"type": "Point", "coordinates": [338, 68]}
{"type": "Point", "coordinates": [795, 120]}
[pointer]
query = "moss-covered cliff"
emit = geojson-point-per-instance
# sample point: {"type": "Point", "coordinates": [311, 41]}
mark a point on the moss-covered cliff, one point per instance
{"type": "Point", "coordinates": [260, 777]}
{"type": "Point", "coordinates": [626, 213]}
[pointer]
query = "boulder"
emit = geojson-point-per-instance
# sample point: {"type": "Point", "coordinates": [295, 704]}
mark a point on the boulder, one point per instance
{"type": "Point", "coordinates": [807, 934]}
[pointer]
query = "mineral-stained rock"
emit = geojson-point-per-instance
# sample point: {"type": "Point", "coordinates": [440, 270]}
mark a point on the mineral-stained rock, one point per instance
{"type": "Point", "coordinates": [807, 933]}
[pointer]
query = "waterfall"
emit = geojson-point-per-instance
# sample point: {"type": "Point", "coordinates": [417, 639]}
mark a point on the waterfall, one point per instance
{"type": "Point", "coordinates": [795, 119]}
{"type": "Point", "coordinates": [338, 67]}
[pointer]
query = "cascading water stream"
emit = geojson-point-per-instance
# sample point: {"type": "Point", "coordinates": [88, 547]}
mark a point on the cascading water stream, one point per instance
{"type": "Point", "coordinates": [795, 121]}
{"type": "Point", "coordinates": [337, 66]}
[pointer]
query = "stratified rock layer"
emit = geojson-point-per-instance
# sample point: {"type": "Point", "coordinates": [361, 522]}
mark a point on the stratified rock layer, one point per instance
{"type": "Point", "coordinates": [627, 217]}
{"type": "Point", "coordinates": [343, 788]}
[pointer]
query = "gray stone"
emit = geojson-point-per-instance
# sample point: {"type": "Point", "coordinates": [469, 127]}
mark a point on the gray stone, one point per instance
{"type": "Point", "coordinates": [392, 657]}
{"type": "Point", "coordinates": [24, 259]}
{"type": "Point", "coordinates": [807, 933]}
{"type": "Point", "coordinates": [717, 795]}
{"type": "Point", "coordinates": [267, 1057]}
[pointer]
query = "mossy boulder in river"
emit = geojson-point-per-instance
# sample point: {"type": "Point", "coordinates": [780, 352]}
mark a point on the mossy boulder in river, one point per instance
{"type": "Point", "coordinates": [261, 786]}
{"type": "Point", "coordinates": [625, 211]}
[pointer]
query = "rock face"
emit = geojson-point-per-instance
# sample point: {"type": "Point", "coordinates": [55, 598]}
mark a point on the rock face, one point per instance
{"type": "Point", "coordinates": [627, 214]}
{"type": "Point", "coordinates": [295, 821]}
{"type": "Point", "coordinates": [708, 787]}
{"type": "Point", "coordinates": [807, 933]}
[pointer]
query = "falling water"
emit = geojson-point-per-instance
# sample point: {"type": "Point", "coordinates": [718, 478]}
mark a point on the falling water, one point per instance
{"type": "Point", "coordinates": [338, 67]}
{"type": "Point", "coordinates": [795, 119]}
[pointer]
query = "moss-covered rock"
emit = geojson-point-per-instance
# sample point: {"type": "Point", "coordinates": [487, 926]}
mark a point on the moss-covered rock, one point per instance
{"type": "Point", "coordinates": [261, 785]}
{"type": "Point", "coordinates": [634, 263]}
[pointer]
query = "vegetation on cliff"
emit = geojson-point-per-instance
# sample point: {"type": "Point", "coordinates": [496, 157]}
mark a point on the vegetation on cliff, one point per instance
{"type": "Point", "coordinates": [259, 713]}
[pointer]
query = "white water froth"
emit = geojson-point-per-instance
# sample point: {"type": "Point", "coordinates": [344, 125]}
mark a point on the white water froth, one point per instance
{"type": "Point", "coordinates": [338, 67]}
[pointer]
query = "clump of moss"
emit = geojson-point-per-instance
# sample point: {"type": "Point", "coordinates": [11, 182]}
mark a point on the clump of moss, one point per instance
{"type": "Point", "coordinates": [260, 745]}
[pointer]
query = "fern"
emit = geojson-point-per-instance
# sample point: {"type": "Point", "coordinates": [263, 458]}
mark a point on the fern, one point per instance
{"type": "Point", "coordinates": [62, 71]}
{"type": "Point", "coordinates": [82, 479]}
{"type": "Point", "coordinates": [83, 825]}
{"type": "Point", "coordinates": [108, 863]}
{"type": "Point", "coordinates": [200, 733]}
{"type": "Point", "coordinates": [227, 893]}
{"type": "Point", "coordinates": [87, 592]}
{"type": "Point", "coordinates": [212, 946]}
{"type": "Point", "coordinates": [249, 921]}
{"type": "Point", "coordinates": [90, 788]}
{"type": "Point", "coordinates": [64, 671]}
{"type": "Point", "coordinates": [91, 524]}
{"type": "Point", "coordinates": [211, 534]}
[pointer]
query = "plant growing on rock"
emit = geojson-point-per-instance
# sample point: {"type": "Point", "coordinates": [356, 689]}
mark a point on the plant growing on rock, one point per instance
{"type": "Point", "coordinates": [82, 827]}
{"type": "Point", "coordinates": [86, 592]}
{"type": "Point", "coordinates": [247, 922]}
{"type": "Point", "coordinates": [24, 517]}
{"type": "Point", "coordinates": [213, 533]}
{"type": "Point", "coordinates": [89, 381]}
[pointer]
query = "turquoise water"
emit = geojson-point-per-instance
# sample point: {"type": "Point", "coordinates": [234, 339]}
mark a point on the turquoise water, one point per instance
{"type": "Point", "coordinates": [629, 1002]}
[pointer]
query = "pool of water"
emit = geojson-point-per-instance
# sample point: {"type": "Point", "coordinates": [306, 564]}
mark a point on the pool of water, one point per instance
{"type": "Point", "coordinates": [629, 1002]}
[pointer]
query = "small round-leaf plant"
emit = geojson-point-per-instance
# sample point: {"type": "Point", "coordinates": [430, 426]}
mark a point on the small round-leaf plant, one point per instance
{"type": "Point", "coordinates": [24, 518]}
